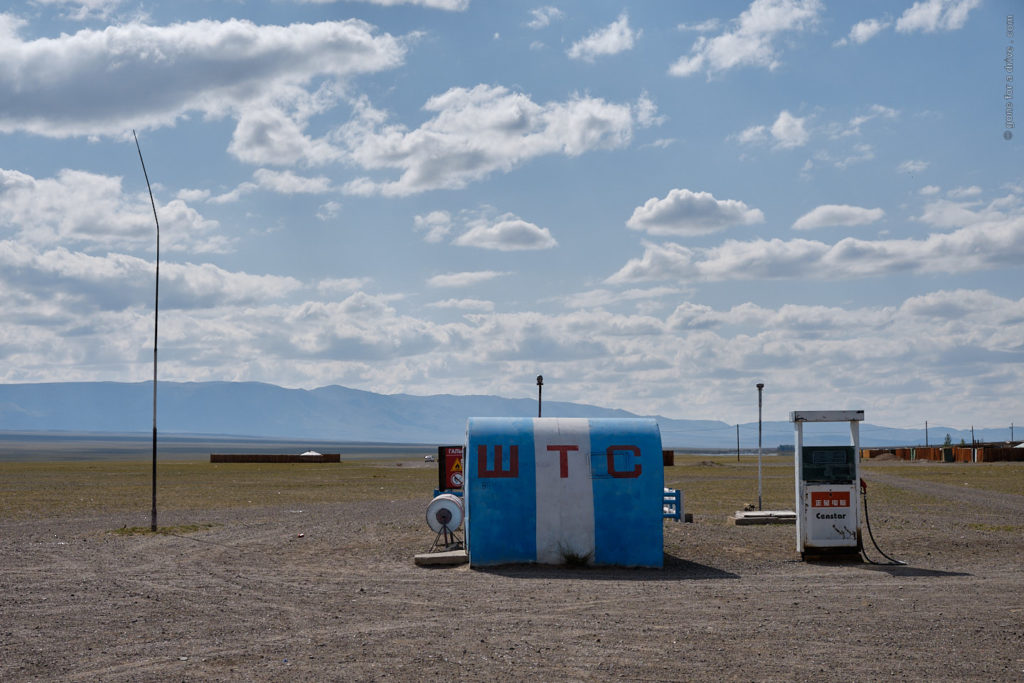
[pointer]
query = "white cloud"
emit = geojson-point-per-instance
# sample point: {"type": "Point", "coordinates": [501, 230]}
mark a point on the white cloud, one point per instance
{"type": "Point", "coordinates": [577, 336]}
{"type": "Point", "coordinates": [661, 143]}
{"type": "Point", "coordinates": [875, 111]}
{"type": "Point", "coordinates": [988, 239]}
{"type": "Point", "coordinates": [543, 16]}
{"type": "Point", "coordinates": [599, 298]}
{"type": "Point", "coordinates": [281, 182]}
{"type": "Point", "coordinates": [861, 152]}
{"type": "Point", "coordinates": [943, 213]}
{"type": "Point", "coordinates": [752, 135]}
{"type": "Point", "coordinates": [366, 342]}
{"type": "Point", "coordinates": [193, 195]}
{"type": "Point", "coordinates": [116, 281]}
{"type": "Point", "coordinates": [436, 225]}
{"type": "Point", "coordinates": [507, 233]}
{"type": "Point", "coordinates": [791, 318]}
{"type": "Point", "coordinates": [89, 209]}
{"type": "Point", "coordinates": [328, 210]}
{"type": "Point", "coordinates": [902, 352]}
{"type": "Point", "coordinates": [751, 41]}
{"type": "Point", "coordinates": [286, 182]}
{"type": "Point", "coordinates": [863, 31]}
{"type": "Point", "coordinates": [961, 192]}
{"type": "Point", "coordinates": [479, 131]}
{"type": "Point", "coordinates": [912, 166]}
{"type": "Point", "coordinates": [701, 27]}
{"type": "Point", "coordinates": [930, 189]}
{"type": "Point", "coordinates": [345, 285]}
{"type": "Point", "coordinates": [271, 130]}
{"type": "Point", "coordinates": [965, 304]}
{"type": "Point", "coordinates": [256, 74]}
{"type": "Point", "coordinates": [612, 39]}
{"type": "Point", "coordinates": [464, 304]}
{"type": "Point", "coordinates": [463, 279]}
{"type": "Point", "coordinates": [837, 214]}
{"type": "Point", "coordinates": [688, 213]}
{"type": "Point", "coordinates": [361, 327]}
{"type": "Point", "coordinates": [83, 10]}
{"type": "Point", "coordinates": [936, 15]}
{"type": "Point", "coordinates": [787, 132]}
{"type": "Point", "coordinates": [450, 5]}
{"type": "Point", "coordinates": [646, 112]}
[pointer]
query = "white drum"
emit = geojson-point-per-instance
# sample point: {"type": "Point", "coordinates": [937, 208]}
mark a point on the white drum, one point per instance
{"type": "Point", "coordinates": [446, 510]}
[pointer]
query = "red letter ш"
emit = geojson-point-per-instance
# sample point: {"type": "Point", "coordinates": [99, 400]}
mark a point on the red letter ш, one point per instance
{"type": "Point", "coordinates": [624, 474]}
{"type": "Point", "coordinates": [497, 472]}
{"type": "Point", "coordinates": [563, 459]}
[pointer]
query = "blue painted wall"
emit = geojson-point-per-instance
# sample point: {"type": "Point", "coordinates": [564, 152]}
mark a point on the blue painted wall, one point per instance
{"type": "Point", "coordinates": [586, 487]}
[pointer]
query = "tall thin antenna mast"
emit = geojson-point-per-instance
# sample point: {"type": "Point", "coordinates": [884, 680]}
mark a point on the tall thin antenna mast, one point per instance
{"type": "Point", "coordinates": [156, 319]}
{"type": "Point", "coordinates": [760, 388]}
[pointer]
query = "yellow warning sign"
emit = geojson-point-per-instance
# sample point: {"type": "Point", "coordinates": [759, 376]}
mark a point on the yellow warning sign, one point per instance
{"type": "Point", "coordinates": [457, 465]}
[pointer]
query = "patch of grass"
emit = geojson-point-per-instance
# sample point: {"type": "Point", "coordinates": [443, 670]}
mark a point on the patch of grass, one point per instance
{"type": "Point", "coordinates": [1002, 477]}
{"type": "Point", "coordinates": [713, 486]}
{"type": "Point", "coordinates": [571, 558]}
{"type": "Point", "coordinates": [167, 530]}
{"type": "Point", "coordinates": [996, 527]}
{"type": "Point", "coordinates": [719, 485]}
{"type": "Point", "coordinates": [54, 489]}
{"type": "Point", "coordinates": [894, 495]}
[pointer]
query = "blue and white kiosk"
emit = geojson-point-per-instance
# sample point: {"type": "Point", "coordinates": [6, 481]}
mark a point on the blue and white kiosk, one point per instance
{"type": "Point", "coordinates": [562, 490]}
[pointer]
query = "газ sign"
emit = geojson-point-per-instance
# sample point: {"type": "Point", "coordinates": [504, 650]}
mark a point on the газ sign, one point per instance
{"type": "Point", "coordinates": [557, 490]}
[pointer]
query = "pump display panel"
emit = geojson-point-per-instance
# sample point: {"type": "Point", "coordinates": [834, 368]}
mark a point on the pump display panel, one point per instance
{"type": "Point", "coordinates": [829, 464]}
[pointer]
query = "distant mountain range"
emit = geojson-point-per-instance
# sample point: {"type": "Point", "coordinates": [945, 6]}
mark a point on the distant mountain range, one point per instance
{"type": "Point", "coordinates": [251, 409]}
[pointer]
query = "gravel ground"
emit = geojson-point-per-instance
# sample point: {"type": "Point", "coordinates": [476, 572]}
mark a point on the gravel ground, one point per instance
{"type": "Point", "coordinates": [330, 592]}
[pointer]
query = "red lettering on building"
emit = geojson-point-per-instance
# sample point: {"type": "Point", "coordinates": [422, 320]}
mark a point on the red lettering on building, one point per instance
{"type": "Point", "coordinates": [623, 474]}
{"type": "Point", "coordinates": [563, 459]}
{"type": "Point", "coordinates": [498, 471]}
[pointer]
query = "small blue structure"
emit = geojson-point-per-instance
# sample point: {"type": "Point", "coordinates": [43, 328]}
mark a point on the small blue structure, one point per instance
{"type": "Point", "coordinates": [558, 490]}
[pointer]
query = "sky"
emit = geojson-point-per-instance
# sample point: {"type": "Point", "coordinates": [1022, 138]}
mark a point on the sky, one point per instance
{"type": "Point", "coordinates": [656, 204]}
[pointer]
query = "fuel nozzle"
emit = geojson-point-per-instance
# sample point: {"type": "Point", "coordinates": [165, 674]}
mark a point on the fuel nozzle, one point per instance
{"type": "Point", "coordinates": [863, 486]}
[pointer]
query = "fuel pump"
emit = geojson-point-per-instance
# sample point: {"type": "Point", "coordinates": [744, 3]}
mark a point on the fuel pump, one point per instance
{"type": "Point", "coordinates": [827, 493]}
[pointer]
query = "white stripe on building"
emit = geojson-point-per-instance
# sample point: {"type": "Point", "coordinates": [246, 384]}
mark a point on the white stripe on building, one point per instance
{"type": "Point", "coordinates": [562, 461]}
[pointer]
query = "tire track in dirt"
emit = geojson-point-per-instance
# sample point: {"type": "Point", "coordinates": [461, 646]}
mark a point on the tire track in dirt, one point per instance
{"type": "Point", "coordinates": [977, 497]}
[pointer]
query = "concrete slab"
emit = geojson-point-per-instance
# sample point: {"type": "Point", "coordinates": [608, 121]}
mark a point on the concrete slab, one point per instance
{"type": "Point", "coordinates": [744, 518]}
{"type": "Point", "coordinates": [448, 558]}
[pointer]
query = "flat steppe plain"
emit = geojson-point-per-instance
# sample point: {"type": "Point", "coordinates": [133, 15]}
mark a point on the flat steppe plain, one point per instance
{"type": "Point", "coordinates": [305, 572]}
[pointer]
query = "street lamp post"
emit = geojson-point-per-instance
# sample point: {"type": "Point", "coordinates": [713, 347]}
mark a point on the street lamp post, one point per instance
{"type": "Point", "coordinates": [540, 383]}
{"type": "Point", "coordinates": [156, 322]}
{"type": "Point", "coordinates": [760, 388]}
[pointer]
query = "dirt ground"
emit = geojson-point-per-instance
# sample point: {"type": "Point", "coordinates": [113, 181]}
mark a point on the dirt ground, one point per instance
{"type": "Point", "coordinates": [330, 592]}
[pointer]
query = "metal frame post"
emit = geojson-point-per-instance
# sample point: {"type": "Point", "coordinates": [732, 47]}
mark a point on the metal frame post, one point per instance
{"type": "Point", "coordinates": [760, 388]}
{"type": "Point", "coordinates": [540, 384]}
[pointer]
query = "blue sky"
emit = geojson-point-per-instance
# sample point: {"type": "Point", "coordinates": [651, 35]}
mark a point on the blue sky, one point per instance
{"type": "Point", "coordinates": [656, 205]}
